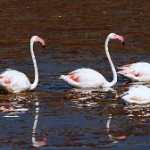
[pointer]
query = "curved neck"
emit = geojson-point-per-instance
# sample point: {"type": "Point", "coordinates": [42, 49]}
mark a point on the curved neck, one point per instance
{"type": "Point", "coordinates": [36, 79]}
{"type": "Point", "coordinates": [109, 84]}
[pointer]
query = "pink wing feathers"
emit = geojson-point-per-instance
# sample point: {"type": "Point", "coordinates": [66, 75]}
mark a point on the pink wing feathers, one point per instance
{"type": "Point", "coordinates": [5, 80]}
{"type": "Point", "coordinates": [74, 77]}
{"type": "Point", "coordinates": [137, 71]}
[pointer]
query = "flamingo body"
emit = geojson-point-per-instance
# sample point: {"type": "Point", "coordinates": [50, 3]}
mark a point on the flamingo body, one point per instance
{"type": "Point", "coordinates": [85, 78]}
{"type": "Point", "coordinates": [14, 81]}
{"type": "Point", "coordinates": [137, 71]}
{"type": "Point", "coordinates": [89, 78]}
{"type": "Point", "coordinates": [137, 95]}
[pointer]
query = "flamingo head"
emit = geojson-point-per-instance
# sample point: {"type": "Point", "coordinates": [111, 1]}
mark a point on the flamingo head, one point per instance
{"type": "Point", "coordinates": [116, 36]}
{"type": "Point", "coordinates": [36, 38]}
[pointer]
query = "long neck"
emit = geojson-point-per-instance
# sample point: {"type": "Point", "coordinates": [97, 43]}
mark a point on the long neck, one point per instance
{"type": "Point", "coordinates": [109, 84]}
{"type": "Point", "coordinates": [36, 79]}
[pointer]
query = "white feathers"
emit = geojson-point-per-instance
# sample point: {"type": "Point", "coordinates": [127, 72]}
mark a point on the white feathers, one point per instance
{"type": "Point", "coordinates": [137, 71]}
{"type": "Point", "coordinates": [85, 78]}
{"type": "Point", "coordinates": [137, 94]}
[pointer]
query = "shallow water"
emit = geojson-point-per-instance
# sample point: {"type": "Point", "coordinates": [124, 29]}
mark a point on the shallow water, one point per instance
{"type": "Point", "coordinates": [56, 116]}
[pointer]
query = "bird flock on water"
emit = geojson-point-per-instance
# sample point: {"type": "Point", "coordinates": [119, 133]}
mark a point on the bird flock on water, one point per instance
{"type": "Point", "coordinates": [13, 81]}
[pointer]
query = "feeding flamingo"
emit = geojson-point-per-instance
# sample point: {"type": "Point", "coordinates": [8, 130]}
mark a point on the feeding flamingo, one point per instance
{"type": "Point", "coordinates": [138, 95]}
{"type": "Point", "coordinates": [139, 71]}
{"type": "Point", "coordinates": [89, 78]}
{"type": "Point", "coordinates": [14, 81]}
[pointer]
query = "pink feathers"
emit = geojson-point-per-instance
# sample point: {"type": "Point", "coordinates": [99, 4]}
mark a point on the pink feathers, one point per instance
{"type": "Point", "coordinates": [74, 77]}
{"type": "Point", "coordinates": [137, 71]}
{"type": "Point", "coordinates": [6, 79]}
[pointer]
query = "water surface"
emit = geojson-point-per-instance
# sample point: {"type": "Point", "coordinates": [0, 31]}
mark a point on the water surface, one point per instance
{"type": "Point", "coordinates": [55, 116]}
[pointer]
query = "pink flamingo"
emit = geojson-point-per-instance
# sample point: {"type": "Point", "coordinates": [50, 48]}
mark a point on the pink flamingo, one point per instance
{"type": "Point", "coordinates": [139, 71]}
{"type": "Point", "coordinates": [138, 95]}
{"type": "Point", "coordinates": [89, 78]}
{"type": "Point", "coordinates": [14, 81]}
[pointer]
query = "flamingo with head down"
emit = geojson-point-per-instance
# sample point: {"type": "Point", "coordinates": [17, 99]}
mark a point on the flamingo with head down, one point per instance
{"type": "Point", "coordinates": [139, 71]}
{"type": "Point", "coordinates": [14, 81]}
{"type": "Point", "coordinates": [137, 94]}
{"type": "Point", "coordinates": [89, 78]}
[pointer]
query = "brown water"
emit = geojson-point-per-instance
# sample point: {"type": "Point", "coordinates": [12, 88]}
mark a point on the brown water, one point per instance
{"type": "Point", "coordinates": [55, 116]}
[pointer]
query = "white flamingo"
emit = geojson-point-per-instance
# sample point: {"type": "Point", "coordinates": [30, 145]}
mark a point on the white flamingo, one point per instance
{"type": "Point", "coordinates": [89, 78]}
{"type": "Point", "coordinates": [14, 81]}
{"type": "Point", "coordinates": [139, 71]}
{"type": "Point", "coordinates": [137, 94]}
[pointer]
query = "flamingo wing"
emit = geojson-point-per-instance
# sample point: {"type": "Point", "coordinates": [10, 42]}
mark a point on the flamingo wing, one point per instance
{"type": "Point", "coordinates": [79, 75]}
{"type": "Point", "coordinates": [86, 75]}
{"type": "Point", "coordinates": [136, 71]}
{"type": "Point", "coordinates": [84, 78]}
{"type": "Point", "coordinates": [75, 77]}
{"type": "Point", "coordinates": [134, 65]}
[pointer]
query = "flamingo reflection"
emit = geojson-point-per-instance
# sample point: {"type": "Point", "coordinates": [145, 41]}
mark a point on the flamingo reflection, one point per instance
{"type": "Point", "coordinates": [36, 117]}
{"type": "Point", "coordinates": [15, 105]}
{"type": "Point", "coordinates": [90, 98]}
{"type": "Point", "coordinates": [111, 137]}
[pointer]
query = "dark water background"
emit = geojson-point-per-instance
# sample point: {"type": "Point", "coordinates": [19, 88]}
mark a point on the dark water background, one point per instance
{"type": "Point", "coordinates": [75, 32]}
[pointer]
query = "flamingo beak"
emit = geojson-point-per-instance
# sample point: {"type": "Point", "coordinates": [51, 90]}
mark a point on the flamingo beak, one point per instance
{"type": "Point", "coordinates": [121, 38]}
{"type": "Point", "coordinates": [42, 43]}
{"type": "Point", "coordinates": [123, 43]}
{"type": "Point", "coordinates": [43, 46]}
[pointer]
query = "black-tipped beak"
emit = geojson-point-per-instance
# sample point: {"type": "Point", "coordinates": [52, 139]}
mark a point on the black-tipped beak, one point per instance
{"type": "Point", "coordinates": [123, 43]}
{"type": "Point", "coordinates": [44, 46]}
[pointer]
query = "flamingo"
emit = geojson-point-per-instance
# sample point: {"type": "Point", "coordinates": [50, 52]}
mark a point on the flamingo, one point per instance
{"type": "Point", "coordinates": [88, 78]}
{"type": "Point", "coordinates": [13, 81]}
{"type": "Point", "coordinates": [139, 71]}
{"type": "Point", "coordinates": [137, 94]}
